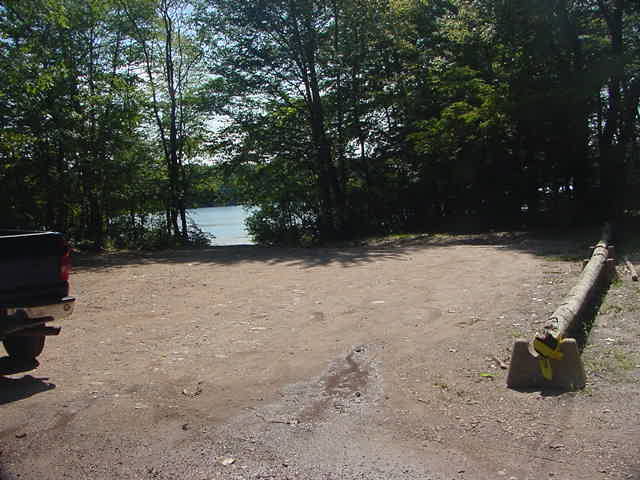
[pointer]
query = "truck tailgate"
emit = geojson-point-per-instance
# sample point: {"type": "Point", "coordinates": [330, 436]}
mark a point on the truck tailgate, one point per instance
{"type": "Point", "coordinates": [30, 266]}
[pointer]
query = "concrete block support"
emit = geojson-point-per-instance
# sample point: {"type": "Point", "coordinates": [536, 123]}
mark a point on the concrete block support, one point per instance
{"type": "Point", "coordinates": [525, 372]}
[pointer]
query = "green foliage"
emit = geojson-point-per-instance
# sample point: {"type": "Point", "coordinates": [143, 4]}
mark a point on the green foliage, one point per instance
{"type": "Point", "coordinates": [75, 142]}
{"type": "Point", "coordinates": [335, 119]}
{"type": "Point", "coordinates": [282, 225]}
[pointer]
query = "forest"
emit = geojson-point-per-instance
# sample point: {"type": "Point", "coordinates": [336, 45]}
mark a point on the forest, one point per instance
{"type": "Point", "coordinates": [336, 119]}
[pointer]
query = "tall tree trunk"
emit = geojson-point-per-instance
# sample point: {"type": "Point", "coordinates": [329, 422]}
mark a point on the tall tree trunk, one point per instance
{"type": "Point", "coordinates": [579, 125]}
{"type": "Point", "coordinates": [329, 187]}
{"type": "Point", "coordinates": [611, 150]}
{"type": "Point", "coordinates": [340, 147]}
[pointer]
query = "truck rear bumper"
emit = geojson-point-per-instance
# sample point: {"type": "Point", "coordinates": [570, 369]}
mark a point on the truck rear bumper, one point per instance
{"type": "Point", "coordinates": [15, 319]}
{"type": "Point", "coordinates": [60, 309]}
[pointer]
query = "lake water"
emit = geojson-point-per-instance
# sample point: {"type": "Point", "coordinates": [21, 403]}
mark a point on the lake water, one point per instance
{"type": "Point", "coordinates": [226, 223]}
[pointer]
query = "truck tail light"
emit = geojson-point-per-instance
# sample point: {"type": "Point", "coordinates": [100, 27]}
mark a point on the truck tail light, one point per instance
{"type": "Point", "coordinates": [65, 263]}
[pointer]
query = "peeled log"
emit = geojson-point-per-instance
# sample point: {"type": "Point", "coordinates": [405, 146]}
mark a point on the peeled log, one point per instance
{"type": "Point", "coordinates": [564, 318]}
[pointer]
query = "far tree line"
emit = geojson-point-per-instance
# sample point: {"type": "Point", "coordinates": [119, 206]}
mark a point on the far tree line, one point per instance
{"type": "Point", "coordinates": [335, 118]}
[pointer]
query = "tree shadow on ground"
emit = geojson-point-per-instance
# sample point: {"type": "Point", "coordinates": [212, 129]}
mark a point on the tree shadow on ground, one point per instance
{"type": "Point", "coordinates": [232, 255]}
{"type": "Point", "coordinates": [555, 245]}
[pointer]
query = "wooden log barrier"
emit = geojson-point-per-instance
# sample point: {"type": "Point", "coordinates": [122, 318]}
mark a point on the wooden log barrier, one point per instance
{"type": "Point", "coordinates": [552, 359]}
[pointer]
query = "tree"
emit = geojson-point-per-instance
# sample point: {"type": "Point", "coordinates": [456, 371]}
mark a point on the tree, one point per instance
{"type": "Point", "coordinates": [170, 59]}
{"type": "Point", "coordinates": [69, 117]}
{"type": "Point", "coordinates": [276, 51]}
{"type": "Point", "coordinates": [337, 118]}
{"type": "Point", "coordinates": [622, 95]}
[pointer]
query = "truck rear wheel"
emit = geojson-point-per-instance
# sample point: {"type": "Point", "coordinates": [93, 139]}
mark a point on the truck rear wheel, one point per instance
{"type": "Point", "coordinates": [24, 348]}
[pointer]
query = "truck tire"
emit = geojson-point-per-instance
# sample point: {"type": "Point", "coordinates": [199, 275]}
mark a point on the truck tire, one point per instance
{"type": "Point", "coordinates": [24, 348]}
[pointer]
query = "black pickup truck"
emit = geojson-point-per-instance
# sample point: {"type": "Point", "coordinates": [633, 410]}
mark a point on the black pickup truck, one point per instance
{"type": "Point", "coordinates": [34, 289]}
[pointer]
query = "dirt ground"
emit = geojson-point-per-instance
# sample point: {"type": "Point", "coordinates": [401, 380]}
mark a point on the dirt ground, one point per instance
{"type": "Point", "coordinates": [379, 361]}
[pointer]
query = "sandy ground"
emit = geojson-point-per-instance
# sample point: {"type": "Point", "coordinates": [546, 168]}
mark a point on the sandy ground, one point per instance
{"type": "Point", "coordinates": [372, 362]}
